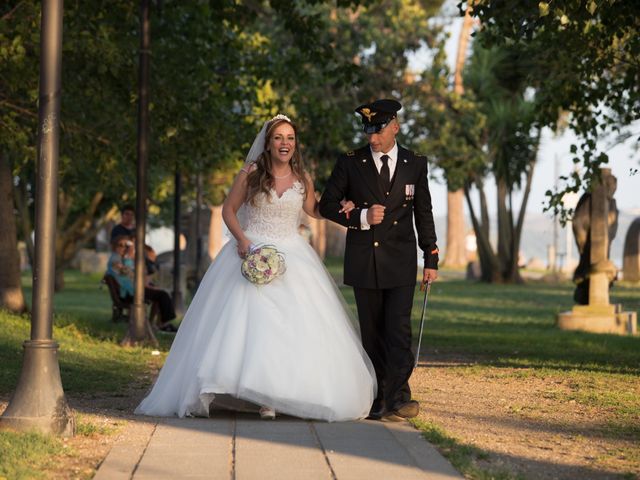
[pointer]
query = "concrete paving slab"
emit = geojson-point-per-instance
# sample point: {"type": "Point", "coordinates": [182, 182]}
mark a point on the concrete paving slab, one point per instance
{"type": "Point", "coordinates": [280, 449]}
{"type": "Point", "coordinates": [123, 457]}
{"type": "Point", "coordinates": [423, 453]}
{"type": "Point", "coordinates": [181, 448]}
{"type": "Point", "coordinates": [190, 431]}
{"type": "Point", "coordinates": [183, 464]}
{"type": "Point", "coordinates": [242, 447]}
{"type": "Point", "coordinates": [357, 450]}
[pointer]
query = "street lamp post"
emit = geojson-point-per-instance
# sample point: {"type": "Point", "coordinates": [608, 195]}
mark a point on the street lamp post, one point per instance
{"type": "Point", "coordinates": [139, 328]}
{"type": "Point", "coordinates": [39, 402]}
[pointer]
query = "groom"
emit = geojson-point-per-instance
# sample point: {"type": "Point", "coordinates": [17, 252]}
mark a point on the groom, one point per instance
{"type": "Point", "coordinates": [388, 184]}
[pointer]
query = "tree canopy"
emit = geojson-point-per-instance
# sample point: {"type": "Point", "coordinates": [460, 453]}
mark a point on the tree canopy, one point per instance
{"type": "Point", "coordinates": [218, 70]}
{"type": "Point", "coordinates": [585, 56]}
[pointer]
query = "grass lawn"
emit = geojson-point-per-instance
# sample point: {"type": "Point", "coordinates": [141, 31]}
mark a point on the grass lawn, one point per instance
{"type": "Point", "coordinates": [498, 326]}
{"type": "Point", "coordinates": [92, 363]}
{"type": "Point", "coordinates": [91, 360]}
{"type": "Point", "coordinates": [514, 325]}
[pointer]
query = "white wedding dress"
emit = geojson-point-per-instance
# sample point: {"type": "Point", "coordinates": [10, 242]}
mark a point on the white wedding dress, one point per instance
{"type": "Point", "coordinates": [289, 345]}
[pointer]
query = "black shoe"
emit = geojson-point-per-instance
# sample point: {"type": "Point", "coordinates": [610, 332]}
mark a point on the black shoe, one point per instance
{"type": "Point", "coordinates": [377, 410]}
{"type": "Point", "coordinates": [392, 417]}
{"type": "Point", "coordinates": [167, 327]}
{"type": "Point", "coordinates": [376, 415]}
{"type": "Point", "coordinates": [408, 409]}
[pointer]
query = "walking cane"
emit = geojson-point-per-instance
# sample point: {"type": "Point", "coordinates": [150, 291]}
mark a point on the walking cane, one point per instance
{"type": "Point", "coordinates": [424, 309]}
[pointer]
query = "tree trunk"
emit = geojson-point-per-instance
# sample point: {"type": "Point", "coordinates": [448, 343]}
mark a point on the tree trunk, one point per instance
{"type": "Point", "coordinates": [455, 253]}
{"type": "Point", "coordinates": [505, 243]}
{"type": "Point", "coordinates": [11, 297]}
{"type": "Point", "coordinates": [514, 273]}
{"type": "Point", "coordinates": [21, 198]}
{"type": "Point", "coordinates": [484, 209]}
{"type": "Point", "coordinates": [463, 40]}
{"type": "Point", "coordinates": [489, 265]}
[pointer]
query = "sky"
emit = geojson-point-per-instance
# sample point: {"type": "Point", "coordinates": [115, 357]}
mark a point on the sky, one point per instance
{"type": "Point", "coordinates": [554, 158]}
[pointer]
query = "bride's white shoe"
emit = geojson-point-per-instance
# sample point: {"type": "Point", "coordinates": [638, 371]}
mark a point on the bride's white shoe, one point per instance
{"type": "Point", "coordinates": [267, 413]}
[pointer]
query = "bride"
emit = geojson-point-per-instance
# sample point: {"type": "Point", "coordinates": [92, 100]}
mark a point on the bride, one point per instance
{"type": "Point", "coordinates": [289, 346]}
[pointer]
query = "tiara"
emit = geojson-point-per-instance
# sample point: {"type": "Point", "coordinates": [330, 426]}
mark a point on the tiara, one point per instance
{"type": "Point", "coordinates": [280, 117]}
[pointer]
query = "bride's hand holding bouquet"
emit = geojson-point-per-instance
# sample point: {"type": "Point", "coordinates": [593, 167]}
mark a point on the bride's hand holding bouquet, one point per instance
{"type": "Point", "coordinates": [263, 264]}
{"type": "Point", "coordinates": [244, 247]}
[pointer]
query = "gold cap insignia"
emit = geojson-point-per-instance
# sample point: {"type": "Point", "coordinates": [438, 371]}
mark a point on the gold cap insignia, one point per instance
{"type": "Point", "coordinates": [368, 113]}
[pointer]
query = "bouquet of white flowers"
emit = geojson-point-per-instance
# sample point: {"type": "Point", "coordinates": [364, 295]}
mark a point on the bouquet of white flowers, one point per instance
{"type": "Point", "coordinates": [262, 264]}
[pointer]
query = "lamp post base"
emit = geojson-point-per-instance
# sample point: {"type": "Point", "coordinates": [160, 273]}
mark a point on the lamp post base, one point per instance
{"type": "Point", "coordinates": [39, 403]}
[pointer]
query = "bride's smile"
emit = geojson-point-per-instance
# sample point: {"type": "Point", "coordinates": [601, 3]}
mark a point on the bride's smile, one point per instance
{"type": "Point", "coordinates": [282, 146]}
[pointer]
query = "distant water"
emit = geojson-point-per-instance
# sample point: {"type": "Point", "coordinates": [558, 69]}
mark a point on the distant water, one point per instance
{"type": "Point", "coordinates": [538, 236]}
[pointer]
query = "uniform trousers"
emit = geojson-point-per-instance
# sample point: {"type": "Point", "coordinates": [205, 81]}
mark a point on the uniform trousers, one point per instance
{"type": "Point", "coordinates": [385, 327]}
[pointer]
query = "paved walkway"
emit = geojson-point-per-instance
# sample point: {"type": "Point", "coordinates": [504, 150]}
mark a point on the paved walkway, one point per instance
{"type": "Point", "coordinates": [243, 447]}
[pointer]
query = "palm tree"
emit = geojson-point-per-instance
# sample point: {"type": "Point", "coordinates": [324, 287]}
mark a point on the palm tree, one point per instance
{"type": "Point", "coordinates": [497, 78]}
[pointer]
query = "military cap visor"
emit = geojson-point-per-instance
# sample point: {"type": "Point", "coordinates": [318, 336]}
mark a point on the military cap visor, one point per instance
{"type": "Point", "coordinates": [377, 115]}
{"type": "Point", "coordinates": [377, 127]}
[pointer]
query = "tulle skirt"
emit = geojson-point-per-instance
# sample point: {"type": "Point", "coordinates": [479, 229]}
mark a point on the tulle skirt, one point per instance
{"type": "Point", "coordinates": [291, 344]}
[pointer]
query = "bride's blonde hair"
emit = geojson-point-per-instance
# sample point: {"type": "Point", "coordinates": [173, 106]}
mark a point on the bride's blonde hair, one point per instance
{"type": "Point", "coordinates": [260, 179]}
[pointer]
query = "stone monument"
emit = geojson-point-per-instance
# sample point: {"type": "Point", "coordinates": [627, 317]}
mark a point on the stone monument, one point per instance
{"type": "Point", "coordinates": [594, 222]}
{"type": "Point", "coordinates": [631, 255]}
{"type": "Point", "coordinates": [585, 215]}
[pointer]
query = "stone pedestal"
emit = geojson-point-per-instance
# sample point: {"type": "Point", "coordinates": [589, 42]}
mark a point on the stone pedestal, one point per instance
{"type": "Point", "coordinates": [599, 319]}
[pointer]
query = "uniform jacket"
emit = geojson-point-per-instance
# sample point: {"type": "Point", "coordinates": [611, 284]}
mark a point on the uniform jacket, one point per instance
{"type": "Point", "coordinates": [385, 256]}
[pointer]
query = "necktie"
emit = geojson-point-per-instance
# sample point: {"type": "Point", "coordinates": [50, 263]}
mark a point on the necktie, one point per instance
{"type": "Point", "coordinates": [385, 175]}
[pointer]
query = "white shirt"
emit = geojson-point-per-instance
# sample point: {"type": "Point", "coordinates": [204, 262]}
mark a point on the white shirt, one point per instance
{"type": "Point", "coordinates": [393, 160]}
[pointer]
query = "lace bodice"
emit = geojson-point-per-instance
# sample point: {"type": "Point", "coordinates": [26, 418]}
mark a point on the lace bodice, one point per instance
{"type": "Point", "coordinates": [275, 217]}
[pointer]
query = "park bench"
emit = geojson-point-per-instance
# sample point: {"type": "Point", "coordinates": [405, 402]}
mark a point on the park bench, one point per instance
{"type": "Point", "coordinates": [120, 308]}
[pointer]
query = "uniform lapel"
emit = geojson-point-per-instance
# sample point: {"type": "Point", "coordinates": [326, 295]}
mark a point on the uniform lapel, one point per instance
{"type": "Point", "coordinates": [400, 176]}
{"type": "Point", "coordinates": [367, 169]}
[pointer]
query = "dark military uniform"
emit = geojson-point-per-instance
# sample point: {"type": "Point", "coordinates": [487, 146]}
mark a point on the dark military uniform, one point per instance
{"type": "Point", "coordinates": [381, 262]}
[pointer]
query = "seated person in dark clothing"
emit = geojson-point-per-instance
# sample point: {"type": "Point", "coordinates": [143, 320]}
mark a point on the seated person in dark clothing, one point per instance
{"type": "Point", "coordinates": [127, 225]}
{"type": "Point", "coordinates": [150, 261]}
{"type": "Point", "coordinates": [121, 266]}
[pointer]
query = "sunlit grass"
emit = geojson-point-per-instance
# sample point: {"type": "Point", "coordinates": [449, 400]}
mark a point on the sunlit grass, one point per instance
{"type": "Point", "coordinates": [91, 360]}
{"type": "Point", "coordinates": [90, 356]}
{"type": "Point", "coordinates": [26, 455]}
{"type": "Point", "coordinates": [514, 325]}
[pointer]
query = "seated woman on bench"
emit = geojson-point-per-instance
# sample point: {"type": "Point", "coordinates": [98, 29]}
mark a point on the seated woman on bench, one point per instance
{"type": "Point", "coordinates": [121, 266]}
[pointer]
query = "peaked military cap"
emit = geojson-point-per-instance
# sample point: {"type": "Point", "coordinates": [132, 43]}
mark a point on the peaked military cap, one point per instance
{"type": "Point", "coordinates": [377, 114]}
